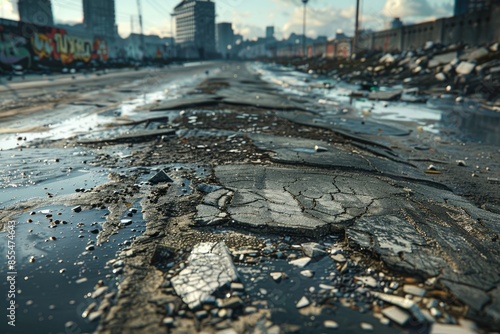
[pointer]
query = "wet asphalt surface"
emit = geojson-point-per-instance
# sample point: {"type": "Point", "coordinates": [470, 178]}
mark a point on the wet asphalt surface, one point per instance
{"type": "Point", "coordinates": [322, 212]}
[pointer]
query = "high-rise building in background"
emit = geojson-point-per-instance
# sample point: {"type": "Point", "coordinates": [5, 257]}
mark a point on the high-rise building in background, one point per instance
{"type": "Point", "coordinates": [195, 27]}
{"type": "Point", "coordinates": [469, 6]}
{"type": "Point", "coordinates": [270, 32]}
{"type": "Point", "coordinates": [99, 17]}
{"type": "Point", "coordinates": [225, 39]}
{"type": "Point", "coordinates": [36, 12]}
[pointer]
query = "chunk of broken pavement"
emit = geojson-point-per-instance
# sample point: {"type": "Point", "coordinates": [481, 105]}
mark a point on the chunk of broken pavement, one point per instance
{"type": "Point", "coordinates": [396, 314]}
{"type": "Point", "coordinates": [301, 263]}
{"type": "Point", "coordinates": [303, 302]}
{"type": "Point", "coordinates": [209, 268]}
{"type": "Point", "coordinates": [313, 249]}
{"type": "Point", "coordinates": [160, 177]}
{"type": "Point", "coordinates": [465, 68]}
{"type": "Point", "coordinates": [404, 303]}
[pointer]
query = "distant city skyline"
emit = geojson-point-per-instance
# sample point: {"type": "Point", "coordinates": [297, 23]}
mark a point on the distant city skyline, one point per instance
{"type": "Point", "coordinates": [250, 18]}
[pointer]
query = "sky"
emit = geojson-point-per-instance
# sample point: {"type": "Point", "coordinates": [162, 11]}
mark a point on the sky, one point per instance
{"type": "Point", "coordinates": [250, 17]}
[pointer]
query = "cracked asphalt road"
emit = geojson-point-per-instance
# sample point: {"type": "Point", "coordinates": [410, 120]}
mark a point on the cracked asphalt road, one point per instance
{"type": "Point", "coordinates": [276, 219]}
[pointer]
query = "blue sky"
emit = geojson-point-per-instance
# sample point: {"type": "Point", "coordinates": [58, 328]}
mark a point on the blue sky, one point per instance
{"type": "Point", "coordinates": [250, 17]}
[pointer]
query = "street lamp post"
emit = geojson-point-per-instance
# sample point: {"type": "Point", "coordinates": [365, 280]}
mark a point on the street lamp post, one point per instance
{"type": "Point", "coordinates": [304, 29]}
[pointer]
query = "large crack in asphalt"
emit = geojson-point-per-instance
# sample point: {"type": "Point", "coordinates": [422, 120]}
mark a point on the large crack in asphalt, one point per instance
{"type": "Point", "coordinates": [410, 226]}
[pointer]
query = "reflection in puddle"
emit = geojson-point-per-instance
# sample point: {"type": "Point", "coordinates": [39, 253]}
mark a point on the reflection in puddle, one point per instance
{"type": "Point", "coordinates": [473, 123]}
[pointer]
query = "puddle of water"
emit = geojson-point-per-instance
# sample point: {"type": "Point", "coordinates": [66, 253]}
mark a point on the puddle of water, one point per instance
{"type": "Point", "coordinates": [283, 296]}
{"type": "Point", "coordinates": [39, 172]}
{"type": "Point", "coordinates": [53, 288]}
{"type": "Point", "coordinates": [64, 185]}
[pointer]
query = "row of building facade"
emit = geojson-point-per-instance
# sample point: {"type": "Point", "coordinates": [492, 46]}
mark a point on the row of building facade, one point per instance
{"type": "Point", "coordinates": [198, 35]}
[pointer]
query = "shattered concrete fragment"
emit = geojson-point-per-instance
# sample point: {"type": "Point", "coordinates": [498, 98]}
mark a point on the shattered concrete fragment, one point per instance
{"type": "Point", "coordinates": [307, 273]}
{"type": "Point", "coordinates": [465, 68]}
{"type": "Point", "coordinates": [209, 268]}
{"type": "Point", "coordinates": [396, 314]}
{"type": "Point", "coordinates": [330, 324]}
{"type": "Point", "coordinates": [160, 177]}
{"type": "Point", "coordinates": [301, 262]}
{"type": "Point", "coordinates": [403, 303]}
{"type": "Point", "coordinates": [414, 290]}
{"type": "Point", "coordinates": [313, 250]}
{"type": "Point", "coordinates": [303, 302]}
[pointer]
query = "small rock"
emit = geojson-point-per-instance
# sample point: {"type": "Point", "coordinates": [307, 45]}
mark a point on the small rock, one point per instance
{"type": "Point", "coordinates": [461, 163]}
{"type": "Point", "coordinates": [301, 263]}
{"type": "Point", "coordinates": [231, 302]}
{"type": "Point", "coordinates": [89, 310]}
{"type": "Point", "coordinates": [330, 324]}
{"type": "Point", "coordinates": [339, 258]}
{"type": "Point", "coordinates": [168, 321]}
{"type": "Point", "coordinates": [313, 250]}
{"type": "Point", "coordinates": [414, 290]}
{"type": "Point", "coordinates": [237, 286]}
{"type": "Point", "coordinates": [201, 314]}
{"type": "Point", "coordinates": [307, 273]}
{"type": "Point", "coordinates": [366, 326]}
{"type": "Point", "coordinates": [81, 280]}
{"type": "Point", "coordinates": [277, 276]}
{"type": "Point", "coordinates": [320, 148]}
{"type": "Point", "coordinates": [90, 248]}
{"type": "Point", "coordinates": [99, 292]}
{"type": "Point", "coordinates": [125, 222]}
{"type": "Point", "coordinates": [367, 280]}
{"type": "Point", "coordinates": [94, 316]}
{"type": "Point", "coordinates": [440, 76]}
{"type": "Point", "coordinates": [77, 209]}
{"type": "Point", "coordinates": [303, 302]}
{"type": "Point", "coordinates": [160, 177]}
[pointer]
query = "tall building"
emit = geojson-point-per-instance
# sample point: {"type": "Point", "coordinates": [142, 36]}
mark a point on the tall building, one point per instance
{"type": "Point", "coordinates": [396, 23]}
{"type": "Point", "coordinates": [36, 12]}
{"type": "Point", "coordinates": [225, 39]}
{"type": "Point", "coordinates": [99, 17]}
{"type": "Point", "coordinates": [270, 32]}
{"type": "Point", "coordinates": [468, 6]}
{"type": "Point", "coordinates": [195, 27]}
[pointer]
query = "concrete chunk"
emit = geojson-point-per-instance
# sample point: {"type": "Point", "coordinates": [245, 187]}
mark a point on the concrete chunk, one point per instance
{"type": "Point", "coordinates": [209, 268]}
{"type": "Point", "coordinates": [465, 68]}
{"type": "Point", "coordinates": [396, 314]}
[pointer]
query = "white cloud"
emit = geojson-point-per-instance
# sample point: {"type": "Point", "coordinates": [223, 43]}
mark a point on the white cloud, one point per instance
{"type": "Point", "coordinates": [416, 9]}
{"type": "Point", "coordinates": [8, 9]}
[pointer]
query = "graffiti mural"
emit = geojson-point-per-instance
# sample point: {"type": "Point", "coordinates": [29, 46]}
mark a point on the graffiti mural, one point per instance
{"type": "Point", "coordinates": [14, 49]}
{"type": "Point", "coordinates": [32, 45]}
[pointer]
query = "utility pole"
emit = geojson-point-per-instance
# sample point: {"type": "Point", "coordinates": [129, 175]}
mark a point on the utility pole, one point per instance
{"type": "Point", "coordinates": [304, 30]}
{"type": "Point", "coordinates": [140, 25]}
{"type": "Point", "coordinates": [356, 29]}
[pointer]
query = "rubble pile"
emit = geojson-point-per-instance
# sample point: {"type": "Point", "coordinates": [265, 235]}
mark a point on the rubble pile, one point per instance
{"type": "Point", "coordinates": [473, 71]}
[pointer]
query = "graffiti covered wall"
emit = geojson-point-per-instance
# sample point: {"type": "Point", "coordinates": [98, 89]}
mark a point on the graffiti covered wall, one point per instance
{"type": "Point", "coordinates": [30, 45]}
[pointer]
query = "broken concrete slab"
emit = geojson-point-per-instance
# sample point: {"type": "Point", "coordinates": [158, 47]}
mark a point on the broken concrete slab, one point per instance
{"type": "Point", "coordinates": [281, 199]}
{"type": "Point", "coordinates": [209, 268]}
{"type": "Point", "coordinates": [397, 315]}
{"type": "Point", "coordinates": [299, 151]}
{"type": "Point", "coordinates": [444, 58]}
